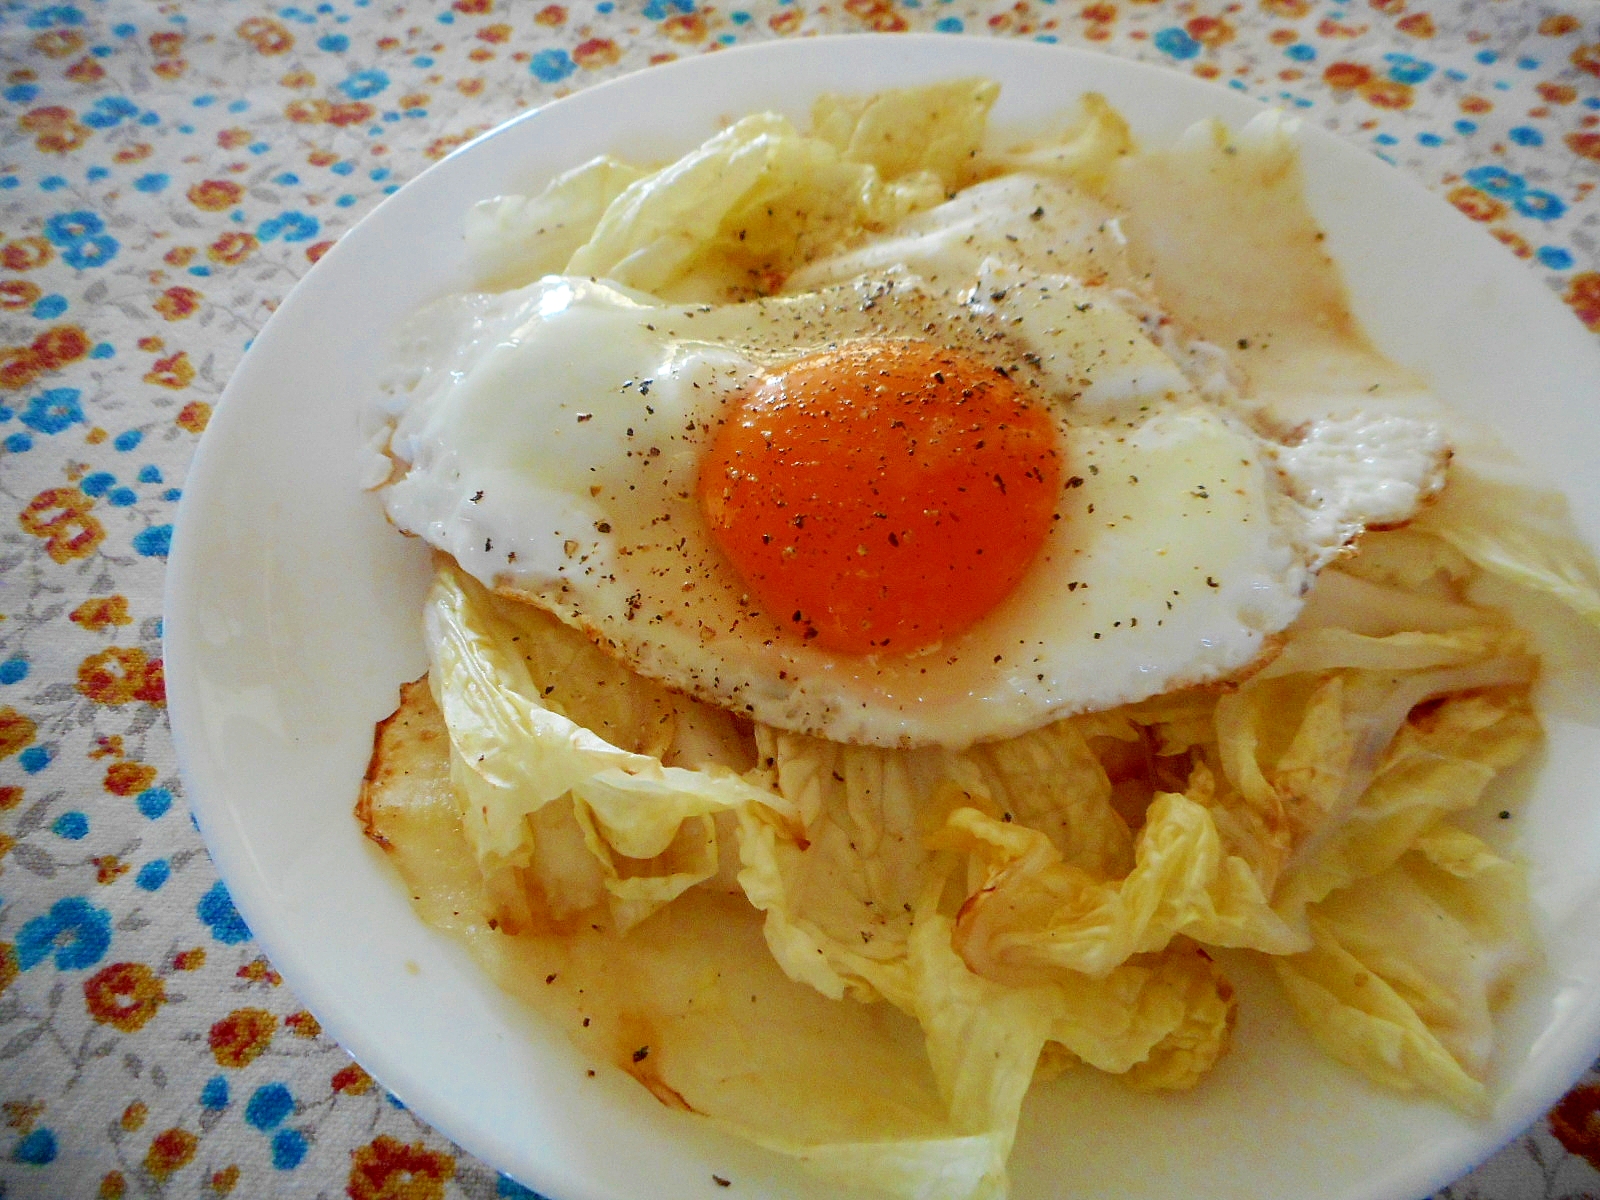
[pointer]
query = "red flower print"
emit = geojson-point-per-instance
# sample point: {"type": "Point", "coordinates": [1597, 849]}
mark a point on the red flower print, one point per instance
{"type": "Point", "coordinates": [169, 1152]}
{"type": "Point", "coordinates": [129, 778]}
{"type": "Point", "coordinates": [61, 517]}
{"type": "Point", "coordinates": [98, 614]}
{"type": "Point", "coordinates": [18, 294]}
{"type": "Point", "coordinates": [176, 303]}
{"type": "Point", "coordinates": [387, 1169]}
{"type": "Point", "coordinates": [241, 1036]}
{"type": "Point", "coordinates": [119, 675]}
{"type": "Point", "coordinates": [125, 995]}
{"type": "Point", "coordinates": [1583, 295]}
{"type": "Point", "coordinates": [175, 371]}
{"type": "Point", "coordinates": [1576, 1122]}
{"type": "Point", "coordinates": [266, 35]}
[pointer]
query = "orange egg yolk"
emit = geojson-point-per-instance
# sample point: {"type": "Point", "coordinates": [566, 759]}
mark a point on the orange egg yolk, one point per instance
{"type": "Point", "coordinates": [881, 496]}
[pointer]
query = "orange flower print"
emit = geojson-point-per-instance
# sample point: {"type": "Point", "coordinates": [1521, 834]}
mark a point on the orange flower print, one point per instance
{"type": "Point", "coordinates": [234, 137]}
{"type": "Point", "coordinates": [1585, 144]}
{"type": "Point", "coordinates": [113, 1186]}
{"type": "Point", "coordinates": [1576, 1123]}
{"type": "Point", "coordinates": [108, 868]}
{"type": "Point", "coordinates": [175, 371]}
{"type": "Point", "coordinates": [18, 293]}
{"type": "Point", "coordinates": [473, 8]}
{"type": "Point", "coordinates": [307, 112]}
{"type": "Point", "coordinates": [101, 613]}
{"type": "Point", "coordinates": [1558, 93]}
{"type": "Point", "coordinates": [1210, 31]}
{"type": "Point", "coordinates": [1583, 296]}
{"type": "Point", "coordinates": [1386, 93]}
{"type": "Point", "coordinates": [189, 960]}
{"type": "Point", "coordinates": [241, 1036]}
{"type": "Point", "coordinates": [86, 70]}
{"type": "Point", "coordinates": [58, 43]}
{"type": "Point", "coordinates": [551, 14]}
{"type": "Point", "coordinates": [177, 303]}
{"type": "Point", "coordinates": [137, 152]}
{"type": "Point", "coordinates": [1417, 25]}
{"type": "Point", "coordinates": [9, 968]}
{"type": "Point", "coordinates": [266, 35]}
{"type": "Point", "coordinates": [61, 517]}
{"type": "Point", "coordinates": [387, 1169]}
{"type": "Point", "coordinates": [170, 1152]}
{"type": "Point", "coordinates": [224, 1181]}
{"type": "Point", "coordinates": [25, 253]}
{"type": "Point", "coordinates": [50, 351]}
{"type": "Point", "coordinates": [214, 195]}
{"type": "Point", "coordinates": [298, 79]}
{"type": "Point", "coordinates": [785, 20]}
{"type": "Point", "coordinates": [194, 416]}
{"type": "Point", "coordinates": [1587, 58]}
{"type": "Point", "coordinates": [879, 15]}
{"type": "Point", "coordinates": [16, 731]}
{"type": "Point", "coordinates": [166, 43]}
{"type": "Point", "coordinates": [1560, 25]}
{"type": "Point", "coordinates": [496, 34]}
{"type": "Point", "coordinates": [10, 794]}
{"type": "Point", "coordinates": [1512, 240]}
{"type": "Point", "coordinates": [259, 970]}
{"type": "Point", "coordinates": [351, 112]}
{"type": "Point", "coordinates": [351, 1080]}
{"type": "Point", "coordinates": [56, 129]}
{"type": "Point", "coordinates": [1477, 205]}
{"type": "Point", "coordinates": [303, 1024]}
{"type": "Point", "coordinates": [129, 778]}
{"type": "Point", "coordinates": [1344, 75]}
{"type": "Point", "coordinates": [232, 248]}
{"type": "Point", "coordinates": [120, 675]}
{"type": "Point", "coordinates": [124, 995]}
{"type": "Point", "coordinates": [595, 53]}
{"type": "Point", "coordinates": [59, 346]}
{"type": "Point", "coordinates": [1286, 8]}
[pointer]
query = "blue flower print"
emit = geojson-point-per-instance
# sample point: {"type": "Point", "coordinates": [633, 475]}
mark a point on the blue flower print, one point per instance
{"type": "Point", "coordinates": [53, 411]}
{"type": "Point", "coordinates": [552, 66]}
{"type": "Point", "coordinates": [364, 84]}
{"type": "Point", "coordinates": [74, 931]}
{"type": "Point", "coordinates": [1177, 43]}
{"type": "Point", "coordinates": [291, 226]}
{"type": "Point", "coordinates": [70, 228]}
{"type": "Point", "coordinates": [1497, 181]}
{"type": "Point", "coordinates": [216, 910]}
{"type": "Point", "coordinates": [91, 252]}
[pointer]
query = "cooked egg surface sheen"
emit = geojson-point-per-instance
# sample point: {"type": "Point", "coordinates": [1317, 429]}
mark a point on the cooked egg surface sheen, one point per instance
{"type": "Point", "coordinates": [555, 441]}
{"type": "Point", "coordinates": [886, 493]}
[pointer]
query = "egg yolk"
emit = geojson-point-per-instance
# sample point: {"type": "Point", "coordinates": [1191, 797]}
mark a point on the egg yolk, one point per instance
{"type": "Point", "coordinates": [881, 496]}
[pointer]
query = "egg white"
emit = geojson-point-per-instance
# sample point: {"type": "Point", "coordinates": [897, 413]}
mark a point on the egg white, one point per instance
{"type": "Point", "coordinates": [549, 440]}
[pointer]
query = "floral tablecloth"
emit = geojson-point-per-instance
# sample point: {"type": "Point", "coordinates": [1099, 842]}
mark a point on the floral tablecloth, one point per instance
{"type": "Point", "coordinates": [167, 171]}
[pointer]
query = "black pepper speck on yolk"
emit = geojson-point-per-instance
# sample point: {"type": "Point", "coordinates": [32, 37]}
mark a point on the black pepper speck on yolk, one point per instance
{"type": "Point", "coordinates": [883, 495]}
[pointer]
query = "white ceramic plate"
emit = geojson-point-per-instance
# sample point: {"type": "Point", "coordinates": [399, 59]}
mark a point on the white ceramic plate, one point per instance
{"type": "Point", "coordinates": [292, 614]}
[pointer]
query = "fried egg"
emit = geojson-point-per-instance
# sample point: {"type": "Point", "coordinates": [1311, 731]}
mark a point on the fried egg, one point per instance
{"type": "Point", "coordinates": [930, 500]}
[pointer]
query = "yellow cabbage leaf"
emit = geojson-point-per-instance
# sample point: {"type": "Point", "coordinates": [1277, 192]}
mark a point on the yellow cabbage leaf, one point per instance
{"type": "Point", "coordinates": [513, 240]}
{"type": "Point", "coordinates": [1409, 964]}
{"type": "Point", "coordinates": [545, 800]}
{"type": "Point", "coordinates": [937, 128]}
